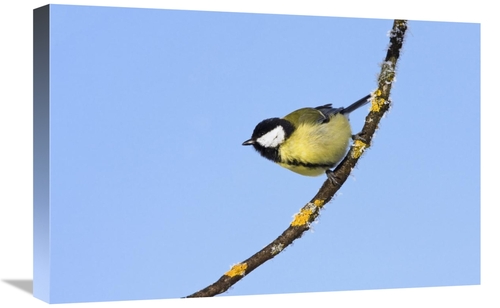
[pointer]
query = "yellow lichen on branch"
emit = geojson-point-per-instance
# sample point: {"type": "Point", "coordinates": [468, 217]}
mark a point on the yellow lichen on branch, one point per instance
{"type": "Point", "coordinates": [319, 203]}
{"type": "Point", "coordinates": [358, 148]}
{"type": "Point", "coordinates": [237, 270]}
{"type": "Point", "coordinates": [377, 101]}
{"type": "Point", "coordinates": [302, 217]}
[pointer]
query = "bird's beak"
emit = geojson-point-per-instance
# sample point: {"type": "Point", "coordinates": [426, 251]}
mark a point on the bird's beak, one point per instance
{"type": "Point", "coordinates": [248, 142]}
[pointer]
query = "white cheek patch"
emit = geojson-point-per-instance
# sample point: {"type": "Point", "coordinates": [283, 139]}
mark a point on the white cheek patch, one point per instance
{"type": "Point", "coordinates": [273, 138]}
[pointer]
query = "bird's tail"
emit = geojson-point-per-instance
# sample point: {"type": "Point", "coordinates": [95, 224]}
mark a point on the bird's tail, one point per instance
{"type": "Point", "coordinates": [356, 105]}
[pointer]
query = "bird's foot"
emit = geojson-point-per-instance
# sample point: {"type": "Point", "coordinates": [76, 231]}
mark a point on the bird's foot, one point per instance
{"type": "Point", "coordinates": [359, 137]}
{"type": "Point", "coordinates": [331, 176]}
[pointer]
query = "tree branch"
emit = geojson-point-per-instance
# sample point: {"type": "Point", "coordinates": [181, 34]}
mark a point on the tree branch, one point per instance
{"type": "Point", "coordinates": [308, 214]}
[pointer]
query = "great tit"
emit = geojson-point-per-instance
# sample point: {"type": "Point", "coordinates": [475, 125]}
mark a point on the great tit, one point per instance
{"type": "Point", "coordinates": [308, 141]}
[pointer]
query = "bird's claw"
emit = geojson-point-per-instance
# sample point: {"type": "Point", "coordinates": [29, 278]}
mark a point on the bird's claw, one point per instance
{"type": "Point", "coordinates": [331, 176]}
{"type": "Point", "coordinates": [358, 137]}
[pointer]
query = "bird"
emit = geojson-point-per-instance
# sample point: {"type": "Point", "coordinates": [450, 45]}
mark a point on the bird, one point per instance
{"type": "Point", "coordinates": [308, 141]}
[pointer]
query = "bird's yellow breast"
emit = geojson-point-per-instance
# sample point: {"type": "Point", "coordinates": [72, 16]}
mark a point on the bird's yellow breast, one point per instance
{"type": "Point", "coordinates": [313, 148]}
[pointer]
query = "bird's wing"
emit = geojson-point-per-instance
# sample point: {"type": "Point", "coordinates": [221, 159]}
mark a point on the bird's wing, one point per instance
{"type": "Point", "coordinates": [328, 111]}
{"type": "Point", "coordinates": [310, 115]}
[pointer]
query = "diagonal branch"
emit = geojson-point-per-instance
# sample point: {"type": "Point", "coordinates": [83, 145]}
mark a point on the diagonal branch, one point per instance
{"type": "Point", "coordinates": [307, 215]}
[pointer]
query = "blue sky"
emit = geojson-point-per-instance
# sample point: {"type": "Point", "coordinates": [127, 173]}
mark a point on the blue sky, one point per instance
{"type": "Point", "coordinates": [151, 184]}
{"type": "Point", "coordinates": [151, 107]}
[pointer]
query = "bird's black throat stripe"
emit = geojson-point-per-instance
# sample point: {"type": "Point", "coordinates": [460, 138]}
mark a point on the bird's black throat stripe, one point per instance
{"type": "Point", "coordinates": [298, 163]}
